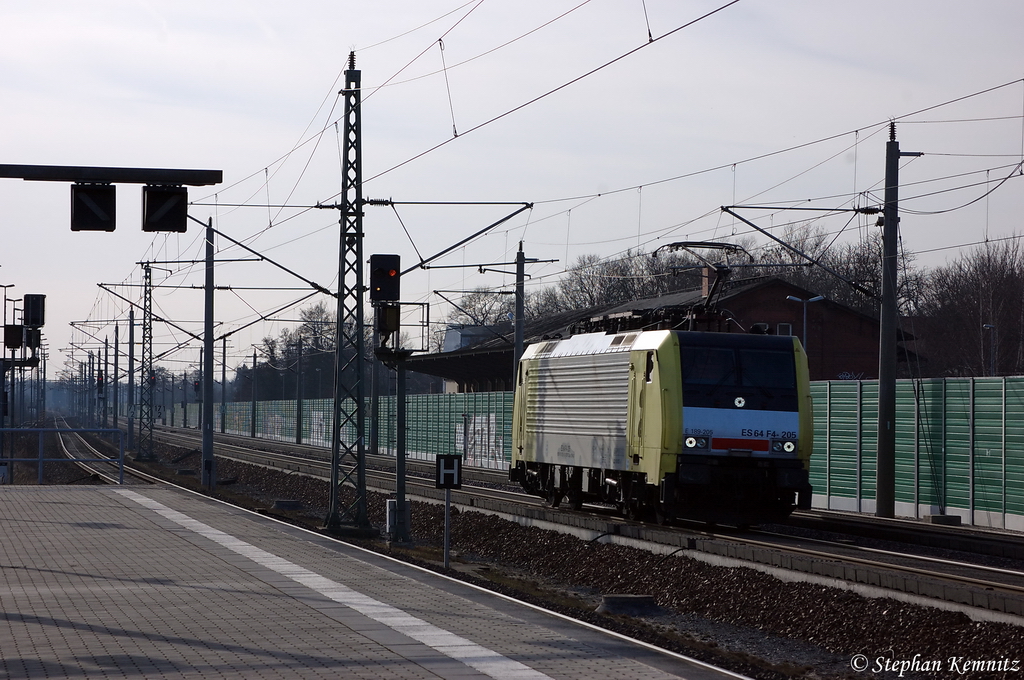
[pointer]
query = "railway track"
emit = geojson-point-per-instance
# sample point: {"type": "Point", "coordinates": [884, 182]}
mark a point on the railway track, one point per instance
{"type": "Point", "coordinates": [984, 576]}
{"type": "Point", "coordinates": [958, 581]}
{"type": "Point", "coordinates": [993, 543]}
{"type": "Point", "coordinates": [75, 447]}
{"type": "Point", "coordinates": [313, 459]}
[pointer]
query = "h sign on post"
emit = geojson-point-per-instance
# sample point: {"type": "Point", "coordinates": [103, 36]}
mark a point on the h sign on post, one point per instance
{"type": "Point", "coordinates": [449, 472]}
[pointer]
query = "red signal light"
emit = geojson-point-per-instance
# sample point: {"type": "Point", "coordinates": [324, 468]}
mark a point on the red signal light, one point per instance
{"type": "Point", "coordinates": [385, 277]}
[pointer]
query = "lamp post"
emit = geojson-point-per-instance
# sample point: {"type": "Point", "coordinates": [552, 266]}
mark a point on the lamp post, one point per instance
{"type": "Point", "coordinates": [991, 348]}
{"type": "Point", "coordinates": [21, 372]}
{"type": "Point", "coordinates": [3, 369]}
{"type": "Point", "coordinates": [3, 391]}
{"type": "Point", "coordinates": [5, 287]}
{"type": "Point", "coordinates": [14, 311]}
{"type": "Point", "coordinates": [816, 298]}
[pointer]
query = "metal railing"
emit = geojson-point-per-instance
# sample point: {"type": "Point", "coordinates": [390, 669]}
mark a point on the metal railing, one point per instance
{"type": "Point", "coordinates": [7, 473]}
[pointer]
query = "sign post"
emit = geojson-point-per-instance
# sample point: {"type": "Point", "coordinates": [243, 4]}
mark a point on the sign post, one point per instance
{"type": "Point", "coordinates": [448, 476]}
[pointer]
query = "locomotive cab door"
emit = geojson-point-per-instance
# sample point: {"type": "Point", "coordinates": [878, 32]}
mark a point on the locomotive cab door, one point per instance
{"type": "Point", "coordinates": [641, 371]}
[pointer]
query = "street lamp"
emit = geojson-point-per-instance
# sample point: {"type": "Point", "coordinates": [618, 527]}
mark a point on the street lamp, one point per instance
{"type": "Point", "coordinates": [14, 316]}
{"type": "Point", "coordinates": [3, 369]}
{"type": "Point", "coordinates": [991, 348]}
{"type": "Point", "coordinates": [5, 287]}
{"type": "Point", "coordinates": [816, 298]}
{"type": "Point", "coordinates": [3, 385]}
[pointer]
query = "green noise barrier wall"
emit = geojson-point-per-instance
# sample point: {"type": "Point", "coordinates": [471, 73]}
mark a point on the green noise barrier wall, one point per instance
{"type": "Point", "coordinates": [959, 441]}
{"type": "Point", "coordinates": [959, 448]}
{"type": "Point", "coordinates": [477, 426]}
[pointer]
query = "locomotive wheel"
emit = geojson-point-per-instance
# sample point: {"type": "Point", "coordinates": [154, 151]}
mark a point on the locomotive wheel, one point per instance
{"type": "Point", "coordinates": [635, 511]}
{"type": "Point", "coordinates": [574, 492]}
{"type": "Point", "coordinates": [554, 498]}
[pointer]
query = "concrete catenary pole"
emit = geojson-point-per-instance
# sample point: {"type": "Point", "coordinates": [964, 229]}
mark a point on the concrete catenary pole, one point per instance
{"type": "Point", "coordinates": [131, 380]}
{"type": "Point", "coordinates": [209, 467]}
{"type": "Point", "coordinates": [885, 475]}
{"type": "Point", "coordinates": [520, 308]}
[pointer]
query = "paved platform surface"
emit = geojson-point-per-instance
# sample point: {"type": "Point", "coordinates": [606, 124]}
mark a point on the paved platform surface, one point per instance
{"type": "Point", "coordinates": [154, 582]}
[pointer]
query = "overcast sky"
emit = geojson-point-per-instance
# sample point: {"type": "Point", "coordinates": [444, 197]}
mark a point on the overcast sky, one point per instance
{"type": "Point", "coordinates": [765, 102]}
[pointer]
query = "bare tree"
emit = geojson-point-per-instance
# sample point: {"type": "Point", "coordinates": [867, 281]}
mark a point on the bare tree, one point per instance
{"type": "Point", "coordinates": [973, 312]}
{"type": "Point", "coordinates": [595, 281]}
{"type": "Point", "coordinates": [852, 263]}
{"type": "Point", "coordinates": [318, 326]}
{"type": "Point", "coordinates": [482, 307]}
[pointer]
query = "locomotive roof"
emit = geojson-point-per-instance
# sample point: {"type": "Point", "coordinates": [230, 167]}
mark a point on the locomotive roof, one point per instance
{"type": "Point", "coordinates": [605, 343]}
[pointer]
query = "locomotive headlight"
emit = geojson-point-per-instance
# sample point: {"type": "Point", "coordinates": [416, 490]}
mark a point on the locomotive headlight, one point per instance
{"type": "Point", "coordinates": [782, 446]}
{"type": "Point", "coordinates": [702, 443]}
{"type": "Point", "coordinates": [696, 442]}
{"type": "Point", "coordinates": [691, 442]}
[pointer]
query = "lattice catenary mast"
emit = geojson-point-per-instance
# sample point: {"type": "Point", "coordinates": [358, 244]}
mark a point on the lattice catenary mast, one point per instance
{"type": "Point", "coordinates": [348, 446]}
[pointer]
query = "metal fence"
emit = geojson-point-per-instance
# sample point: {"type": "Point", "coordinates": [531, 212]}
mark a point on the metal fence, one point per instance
{"type": "Point", "coordinates": [959, 441]}
{"type": "Point", "coordinates": [6, 472]}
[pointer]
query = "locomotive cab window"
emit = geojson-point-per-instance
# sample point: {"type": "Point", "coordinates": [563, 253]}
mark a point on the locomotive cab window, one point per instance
{"type": "Point", "coordinates": [709, 366]}
{"type": "Point", "coordinates": [767, 369]}
{"type": "Point", "coordinates": [740, 376]}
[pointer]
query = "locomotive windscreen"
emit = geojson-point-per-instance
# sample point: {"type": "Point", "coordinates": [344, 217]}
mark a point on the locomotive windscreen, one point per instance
{"type": "Point", "coordinates": [765, 377]}
{"type": "Point", "coordinates": [709, 366]}
{"type": "Point", "coordinates": [767, 369]}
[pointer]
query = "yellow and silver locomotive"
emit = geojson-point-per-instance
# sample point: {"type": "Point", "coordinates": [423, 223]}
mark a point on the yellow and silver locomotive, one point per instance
{"type": "Point", "coordinates": [714, 427]}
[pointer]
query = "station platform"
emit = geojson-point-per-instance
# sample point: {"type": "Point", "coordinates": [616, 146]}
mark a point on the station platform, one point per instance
{"type": "Point", "coordinates": [155, 582]}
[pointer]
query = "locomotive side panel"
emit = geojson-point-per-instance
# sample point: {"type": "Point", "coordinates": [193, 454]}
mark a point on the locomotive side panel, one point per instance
{"type": "Point", "coordinates": [575, 411]}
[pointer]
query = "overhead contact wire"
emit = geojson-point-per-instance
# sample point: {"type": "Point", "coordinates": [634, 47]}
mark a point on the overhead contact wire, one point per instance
{"type": "Point", "coordinates": [494, 49]}
{"type": "Point", "coordinates": [552, 91]}
{"type": "Point", "coordinates": [413, 30]}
